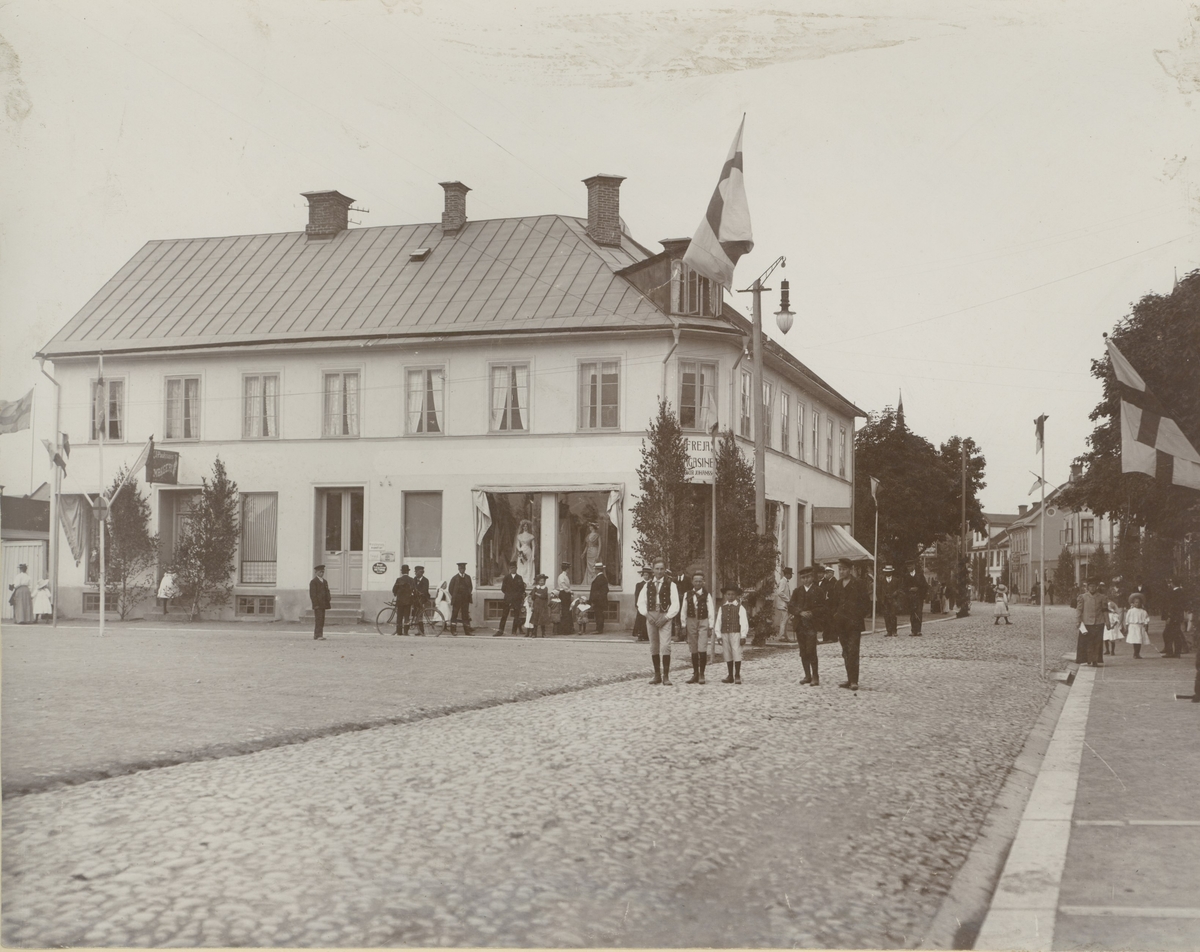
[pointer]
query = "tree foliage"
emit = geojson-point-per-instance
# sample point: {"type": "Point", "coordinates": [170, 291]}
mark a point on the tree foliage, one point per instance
{"type": "Point", "coordinates": [664, 515]}
{"type": "Point", "coordinates": [1064, 577]}
{"type": "Point", "coordinates": [1100, 565]}
{"type": "Point", "coordinates": [745, 559]}
{"type": "Point", "coordinates": [207, 545]}
{"type": "Point", "coordinates": [130, 550]}
{"type": "Point", "coordinates": [1161, 339]}
{"type": "Point", "coordinates": [919, 496]}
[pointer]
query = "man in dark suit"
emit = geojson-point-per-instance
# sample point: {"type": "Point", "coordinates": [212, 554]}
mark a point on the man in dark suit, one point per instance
{"type": "Point", "coordinates": [512, 587]}
{"type": "Point", "coordinates": [598, 596]}
{"type": "Point", "coordinates": [889, 596]}
{"type": "Point", "coordinates": [803, 606]}
{"type": "Point", "coordinates": [828, 587]}
{"type": "Point", "coordinates": [318, 594]}
{"type": "Point", "coordinates": [404, 592]}
{"type": "Point", "coordinates": [460, 589]}
{"type": "Point", "coordinates": [420, 599]}
{"type": "Point", "coordinates": [853, 603]}
{"type": "Point", "coordinates": [915, 588]}
{"type": "Point", "coordinates": [1172, 615]}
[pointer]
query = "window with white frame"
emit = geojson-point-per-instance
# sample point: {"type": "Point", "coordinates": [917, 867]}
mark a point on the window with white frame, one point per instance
{"type": "Point", "coordinates": [842, 452]}
{"type": "Point", "coordinates": [183, 408]}
{"type": "Point", "coordinates": [768, 412]}
{"type": "Point", "coordinates": [599, 395]}
{"type": "Point", "coordinates": [697, 395]}
{"type": "Point", "coordinates": [510, 397]}
{"type": "Point", "coordinates": [744, 415]}
{"type": "Point", "coordinates": [341, 404]}
{"type": "Point", "coordinates": [694, 293]}
{"type": "Point", "coordinates": [829, 444]}
{"type": "Point", "coordinates": [108, 409]}
{"type": "Point", "coordinates": [800, 433]}
{"type": "Point", "coordinates": [426, 400]}
{"type": "Point", "coordinates": [785, 423]}
{"type": "Point", "coordinates": [260, 406]}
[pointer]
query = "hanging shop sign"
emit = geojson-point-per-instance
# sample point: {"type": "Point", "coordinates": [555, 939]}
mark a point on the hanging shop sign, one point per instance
{"type": "Point", "coordinates": [162, 466]}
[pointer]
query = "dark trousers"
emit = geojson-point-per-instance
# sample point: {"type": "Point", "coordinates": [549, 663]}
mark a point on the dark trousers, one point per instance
{"type": "Point", "coordinates": [404, 611]}
{"type": "Point", "coordinates": [1172, 638]}
{"type": "Point", "coordinates": [889, 618]}
{"type": "Point", "coordinates": [564, 623]}
{"type": "Point", "coordinates": [318, 622]}
{"type": "Point", "coordinates": [850, 636]}
{"type": "Point", "coordinates": [598, 608]}
{"type": "Point", "coordinates": [1089, 644]}
{"type": "Point", "coordinates": [806, 641]}
{"type": "Point", "coordinates": [461, 611]}
{"type": "Point", "coordinates": [515, 608]}
{"type": "Point", "coordinates": [915, 617]}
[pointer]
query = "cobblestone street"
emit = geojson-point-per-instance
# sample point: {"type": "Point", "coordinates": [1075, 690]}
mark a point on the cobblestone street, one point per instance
{"type": "Point", "coordinates": [770, 814]}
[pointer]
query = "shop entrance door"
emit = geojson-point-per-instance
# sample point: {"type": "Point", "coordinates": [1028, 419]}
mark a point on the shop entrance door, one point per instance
{"type": "Point", "coordinates": [341, 515]}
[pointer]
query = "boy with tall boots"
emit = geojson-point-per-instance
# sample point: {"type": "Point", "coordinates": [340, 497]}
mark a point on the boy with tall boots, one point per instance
{"type": "Point", "coordinates": [1090, 615]}
{"type": "Point", "coordinates": [459, 590]}
{"type": "Point", "coordinates": [659, 602]}
{"type": "Point", "coordinates": [889, 594]}
{"type": "Point", "coordinates": [318, 595]}
{"type": "Point", "coordinates": [697, 613]}
{"type": "Point", "coordinates": [404, 592]}
{"type": "Point", "coordinates": [512, 589]}
{"type": "Point", "coordinates": [734, 628]}
{"type": "Point", "coordinates": [803, 608]}
{"type": "Point", "coordinates": [852, 607]}
{"type": "Point", "coordinates": [915, 589]}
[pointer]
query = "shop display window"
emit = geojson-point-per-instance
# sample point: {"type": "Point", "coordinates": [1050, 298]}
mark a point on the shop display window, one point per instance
{"type": "Point", "coordinates": [514, 536]}
{"type": "Point", "coordinates": [586, 535]}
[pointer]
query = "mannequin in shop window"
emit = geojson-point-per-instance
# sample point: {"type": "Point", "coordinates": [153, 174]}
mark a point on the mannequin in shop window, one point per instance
{"type": "Point", "coordinates": [525, 552]}
{"type": "Point", "coordinates": [591, 552]}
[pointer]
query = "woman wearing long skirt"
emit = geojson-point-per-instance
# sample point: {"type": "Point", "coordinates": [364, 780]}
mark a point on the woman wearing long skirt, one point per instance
{"type": "Point", "coordinates": [21, 598]}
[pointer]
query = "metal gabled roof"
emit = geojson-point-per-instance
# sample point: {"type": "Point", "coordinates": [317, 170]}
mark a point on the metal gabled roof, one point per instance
{"type": "Point", "coordinates": [540, 273]}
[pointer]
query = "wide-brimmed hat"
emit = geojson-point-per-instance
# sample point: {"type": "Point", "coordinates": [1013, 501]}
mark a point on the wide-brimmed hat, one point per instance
{"type": "Point", "coordinates": [599, 565]}
{"type": "Point", "coordinates": [888, 568]}
{"type": "Point", "coordinates": [539, 576]}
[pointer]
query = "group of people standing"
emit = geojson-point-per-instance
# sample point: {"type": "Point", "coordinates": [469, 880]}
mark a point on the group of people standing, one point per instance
{"type": "Point", "coordinates": [29, 602]}
{"type": "Point", "coordinates": [830, 609]}
{"type": "Point", "coordinates": [1104, 619]}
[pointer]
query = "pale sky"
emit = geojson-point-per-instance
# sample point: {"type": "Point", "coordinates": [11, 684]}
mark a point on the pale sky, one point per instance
{"type": "Point", "coordinates": [967, 193]}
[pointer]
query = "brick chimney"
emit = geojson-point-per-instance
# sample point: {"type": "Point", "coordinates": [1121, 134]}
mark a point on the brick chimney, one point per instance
{"type": "Point", "coordinates": [604, 208]}
{"type": "Point", "coordinates": [327, 213]}
{"type": "Point", "coordinates": [1076, 472]}
{"type": "Point", "coordinates": [1022, 509]}
{"type": "Point", "coordinates": [455, 215]}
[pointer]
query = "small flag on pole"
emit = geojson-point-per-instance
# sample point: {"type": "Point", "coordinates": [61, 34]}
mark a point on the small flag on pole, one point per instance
{"type": "Point", "coordinates": [66, 445]}
{"type": "Point", "coordinates": [14, 414]}
{"type": "Point", "coordinates": [724, 234]}
{"type": "Point", "coordinates": [1151, 441]}
{"type": "Point", "coordinates": [1039, 426]}
{"type": "Point", "coordinates": [874, 487]}
{"type": "Point", "coordinates": [55, 457]}
{"type": "Point", "coordinates": [1040, 482]}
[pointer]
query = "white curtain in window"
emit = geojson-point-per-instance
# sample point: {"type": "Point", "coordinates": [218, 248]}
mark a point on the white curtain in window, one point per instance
{"type": "Point", "coordinates": [483, 514]}
{"type": "Point", "coordinates": [270, 405]}
{"type": "Point", "coordinates": [191, 408]}
{"type": "Point", "coordinates": [499, 398]}
{"type": "Point", "coordinates": [708, 397]}
{"type": "Point", "coordinates": [350, 405]}
{"type": "Point", "coordinates": [174, 409]}
{"type": "Point", "coordinates": [116, 409]}
{"type": "Point", "coordinates": [333, 399]}
{"type": "Point", "coordinates": [614, 510]}
{"type": "Point", "coordinates": [252, 388]}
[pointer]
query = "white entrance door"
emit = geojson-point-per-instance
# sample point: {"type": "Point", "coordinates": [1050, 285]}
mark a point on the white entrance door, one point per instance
{"type": "Point", "coordinates": [341, 512]}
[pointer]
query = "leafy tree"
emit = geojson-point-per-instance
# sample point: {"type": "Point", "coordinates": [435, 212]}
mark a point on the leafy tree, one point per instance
{"type": "Point", "coordinates": [130, 551]}
{"type": "Point", "coordinates": [1064, 577]}
{"type": "Point", "coordinates": [664, 515]}
{"type": "Point", "coordinates": [208, 543]}
{"type": "Point", "coordinates": [1127, 556]}
{"type": "Point", "coordinates": [744, 558]}
{"type": "Point", "coordinates": [1100, 565]}
{"type": "Point", "coordinates": [1161, 338]}
{"type": "Point", "coordinates": [951, 455]}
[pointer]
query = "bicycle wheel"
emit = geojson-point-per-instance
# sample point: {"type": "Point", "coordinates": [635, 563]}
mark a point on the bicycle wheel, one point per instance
{"type": "Point", "coordinates": [435, 621]}
{"type": "Point", "coordinates": [385, 621]}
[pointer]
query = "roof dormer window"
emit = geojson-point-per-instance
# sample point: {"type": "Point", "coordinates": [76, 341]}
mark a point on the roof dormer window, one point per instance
{"type": "Point", "coordinates": [692, 293]}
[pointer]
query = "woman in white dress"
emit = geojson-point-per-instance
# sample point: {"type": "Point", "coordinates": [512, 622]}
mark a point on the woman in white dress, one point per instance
{"type": "Point", "coordinates": [525, 553]}
{"type": "Point", "coordinates": [21, 598]}
{"type": "Point", "coordinates": [1137, 624]}
{"type": "Point", "coordinates": [168, 588]}
{"type": "Point", "coordinates": [1001, 605]}
{"type": "Point", "coordinates": [41, 601]}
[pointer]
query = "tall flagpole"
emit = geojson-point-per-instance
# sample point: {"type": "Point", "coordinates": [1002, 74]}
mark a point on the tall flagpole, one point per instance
{"type": "Point", "coordinates": [101, 429]}
{"type": "Point", "coordinates": [875, 577]}
{"type": "Point", "coordinates": [1042, 521]}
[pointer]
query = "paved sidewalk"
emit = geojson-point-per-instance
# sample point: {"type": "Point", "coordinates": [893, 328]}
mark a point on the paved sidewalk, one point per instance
{"type": "Point", "coordinates": [1108, 852]}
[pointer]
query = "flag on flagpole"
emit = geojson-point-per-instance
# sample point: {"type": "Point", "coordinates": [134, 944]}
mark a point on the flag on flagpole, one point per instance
{"type": "Point", "coordinates": [874, 487]}
{"type": "Point", "coordinates": [1039, 482]}
{"type": "Point", "coordinates": [55, 457]}
{"type": "Point", "coordinates": [724, 233]}
{"type": "Point", "coordinates": [14, 414]}
{"type": "Point", "coordinates": [1151, 441]}
{"type": "Point", "coordinates": [1039, 426]}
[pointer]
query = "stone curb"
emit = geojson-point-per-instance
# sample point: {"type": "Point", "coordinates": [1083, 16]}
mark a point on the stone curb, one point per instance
{"type": "Point", "coordinates": [962, 912]}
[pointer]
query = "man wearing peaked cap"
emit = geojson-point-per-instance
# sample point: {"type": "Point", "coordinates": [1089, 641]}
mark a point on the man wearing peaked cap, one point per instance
{"type": "Point", "coordinates": [318, 595]}
{"type": "Point", "coordinates": [460, 589]}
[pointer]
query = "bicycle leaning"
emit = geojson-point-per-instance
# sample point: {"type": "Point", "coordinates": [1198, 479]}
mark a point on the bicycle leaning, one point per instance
{"type": "Point", "coordinates": [426, 617]}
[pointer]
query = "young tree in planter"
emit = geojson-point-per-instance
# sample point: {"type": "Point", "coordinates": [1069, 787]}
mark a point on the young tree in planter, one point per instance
{"type": "Point", "coordinates": [663, 515]}
{"type": "Point", "coordinates": [1064, 577]}
{"type": "Point", "coordinates": [130, 549]}
{"type": "Point", "coordinates": [744, 558]}
{"type": "Point", "coordinates": [207, 546]}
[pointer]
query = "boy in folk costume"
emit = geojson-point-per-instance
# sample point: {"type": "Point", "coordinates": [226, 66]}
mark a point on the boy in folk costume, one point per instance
{"type": "Point", "coordinates": [733, 628]}
{"type": "Point", "coordinates": [659, 602]}
{"type": "Point", "coordinates": [697, 616]}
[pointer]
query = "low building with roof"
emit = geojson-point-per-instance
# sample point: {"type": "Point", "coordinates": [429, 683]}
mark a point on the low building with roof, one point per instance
{"type": "Point", "coordinates": [428, 394]}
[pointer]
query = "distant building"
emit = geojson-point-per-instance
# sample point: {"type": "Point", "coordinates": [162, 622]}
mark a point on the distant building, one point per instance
{"type": "Point", "coordinates": [24, 535]}
{"type": "Point", "coordinates": [431, 393]}
{"type": "Point", "coordinates": [989, 550]}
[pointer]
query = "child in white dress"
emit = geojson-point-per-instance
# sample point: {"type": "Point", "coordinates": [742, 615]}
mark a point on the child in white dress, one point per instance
{"type": "Point", "coordinates": [1137, 621]}
{"type": "Point", "coordinates": [1112, 627]}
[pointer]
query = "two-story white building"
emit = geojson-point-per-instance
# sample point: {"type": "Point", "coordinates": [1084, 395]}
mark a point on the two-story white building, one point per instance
{"type": "Point", "coordinates": [429, 394]}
